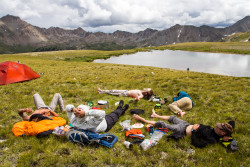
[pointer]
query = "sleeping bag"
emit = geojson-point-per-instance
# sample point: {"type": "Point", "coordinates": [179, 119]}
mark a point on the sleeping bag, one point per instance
{"type": "Point", "coordinates": [31, 128]}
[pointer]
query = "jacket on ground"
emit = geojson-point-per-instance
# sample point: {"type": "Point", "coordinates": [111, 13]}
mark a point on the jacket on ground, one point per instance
{"type": "Point", "coordinates": [204, 135]}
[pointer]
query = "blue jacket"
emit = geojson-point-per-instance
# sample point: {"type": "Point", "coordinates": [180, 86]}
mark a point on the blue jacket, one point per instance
{"type": "Point", "coordinates": [182, 94]}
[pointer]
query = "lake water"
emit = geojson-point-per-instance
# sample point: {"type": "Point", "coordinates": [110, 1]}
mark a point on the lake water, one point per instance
{"type": "Point", "coordinates": [214, 63]}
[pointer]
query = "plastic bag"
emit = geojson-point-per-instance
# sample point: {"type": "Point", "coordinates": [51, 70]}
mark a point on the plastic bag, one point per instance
{"type": "Point", "coordinates": [157, 135]}
{"type": "Point", "coordinates": [61, 130]}
{"type": "Point", "coordinates": [146, 144]}
{"type": "Point", "coordinates": [125, 125]}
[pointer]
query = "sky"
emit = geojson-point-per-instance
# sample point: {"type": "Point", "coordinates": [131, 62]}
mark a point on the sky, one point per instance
{"type": "Point", "coordinates": [126, 15]}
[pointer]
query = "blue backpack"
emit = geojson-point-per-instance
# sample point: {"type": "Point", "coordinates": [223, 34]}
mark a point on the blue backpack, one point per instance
{"type": "Point", "coordinates": [85, 137]}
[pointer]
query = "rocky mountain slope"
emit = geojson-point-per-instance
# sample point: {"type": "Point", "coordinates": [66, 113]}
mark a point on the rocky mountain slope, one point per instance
{"type": "Point", "coordinates": [17, 35]}
{"type": "Point", "coordinates": [238, 37]}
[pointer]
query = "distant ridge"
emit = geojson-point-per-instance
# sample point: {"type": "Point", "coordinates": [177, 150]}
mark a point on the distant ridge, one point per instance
{"type": "Point", "coordinates": [17, 35]}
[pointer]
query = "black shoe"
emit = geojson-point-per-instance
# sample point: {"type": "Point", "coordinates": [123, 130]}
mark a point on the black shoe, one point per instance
{"type": "Point", "coordinates": [125, 108]}
{"type": "Point", "coordinates": [121, 103]}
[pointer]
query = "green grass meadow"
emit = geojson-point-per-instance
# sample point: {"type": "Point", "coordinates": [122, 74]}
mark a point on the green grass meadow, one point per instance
{"type": "Point", "coordinates": [72, 74]}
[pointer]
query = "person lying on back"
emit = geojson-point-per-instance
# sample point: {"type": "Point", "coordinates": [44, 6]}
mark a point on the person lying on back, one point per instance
{"type": "Point", "coordinates": [94, 120]}
{"type": "Point", "coordinates": [41, 108]}
{"type": "Point", "coordinates": [201, 135]}
{"type": "Point", "coordinates": [136, 94]}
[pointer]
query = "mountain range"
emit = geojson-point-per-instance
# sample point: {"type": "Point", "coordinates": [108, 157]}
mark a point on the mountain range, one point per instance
{"type": "Point", "coordinates": [17, 35]}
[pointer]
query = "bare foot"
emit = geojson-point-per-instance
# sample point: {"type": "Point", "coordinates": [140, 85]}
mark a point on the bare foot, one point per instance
{"type": "Point", "coordinates": [99, 90]}
{"type": "Point", "coordinates": [181, 114]}
{"type": "Point", "coordinates": [138, 118]}
{"type": "Point", "coordinates": [154, 115]}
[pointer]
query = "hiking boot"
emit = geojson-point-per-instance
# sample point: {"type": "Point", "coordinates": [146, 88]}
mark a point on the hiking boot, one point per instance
{"type": "Point", "coordinates": [125, 108]}
{"type": "Point", "coordinates": [121, 103]}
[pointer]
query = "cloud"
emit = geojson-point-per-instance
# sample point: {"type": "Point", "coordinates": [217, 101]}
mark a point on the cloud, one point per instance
{"type": "Point", "coordinates": [126, 15]}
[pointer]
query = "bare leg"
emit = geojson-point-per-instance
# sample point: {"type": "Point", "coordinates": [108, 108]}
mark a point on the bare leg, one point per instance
{"type": "Point", "coordinates": [138, 118]}
{"type": "Point", "coordinates": [154, 115]}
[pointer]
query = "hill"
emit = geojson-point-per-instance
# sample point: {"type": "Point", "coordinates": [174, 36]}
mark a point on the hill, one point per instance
{"type": "Point", "coordinates": [238, 37]}
{"type": "Point", "coordinates": [17, 35]}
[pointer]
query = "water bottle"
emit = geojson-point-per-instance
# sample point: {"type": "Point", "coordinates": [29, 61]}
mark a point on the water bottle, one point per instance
{"type": "Point", "coordinates": [157, 107]}
{"type": "Point", "coordinates": [156, 100]}
{"type": "Point", "coordinates": [128, 144]}
{"type": "Point", "coordinates": [151, 130]}
{"type": "Point", "coordinates": [90, 104]}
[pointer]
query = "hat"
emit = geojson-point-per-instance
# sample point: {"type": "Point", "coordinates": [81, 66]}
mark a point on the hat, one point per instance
{"type": "Point", "coordinates": [232, 123]}
{"type": "Point", "coordinates": [228, 128]}
{"type": "Point", "coordinates": [136, 111]}
{"type": "Point", "coordinates": [69, 108]}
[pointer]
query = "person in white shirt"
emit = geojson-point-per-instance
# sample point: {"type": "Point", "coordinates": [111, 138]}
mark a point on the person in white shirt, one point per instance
{"type": "Point", "coordinates": [94, 120]}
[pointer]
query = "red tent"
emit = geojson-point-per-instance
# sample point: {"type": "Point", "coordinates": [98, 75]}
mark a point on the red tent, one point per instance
{"type": "Point", "coordinates": [11, 72]}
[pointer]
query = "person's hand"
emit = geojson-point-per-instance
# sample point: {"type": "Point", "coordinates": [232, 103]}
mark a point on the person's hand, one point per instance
{"type": "Point", "coordinates": [137, 98]}
{"type": "Point", "coordinates": [78, 112]}
{"type": "Point", "coordinates": [28, 110]}
{"type": "Point", "coordinates": [226, 138]}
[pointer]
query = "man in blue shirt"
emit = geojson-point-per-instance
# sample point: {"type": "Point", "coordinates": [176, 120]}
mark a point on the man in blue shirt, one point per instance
{"type": "Point", "coordinates": [182, 102]}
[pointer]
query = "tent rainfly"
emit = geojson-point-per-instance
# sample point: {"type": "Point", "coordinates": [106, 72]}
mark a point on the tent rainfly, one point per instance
{"type": "Point", "coordinates": [11, 72]}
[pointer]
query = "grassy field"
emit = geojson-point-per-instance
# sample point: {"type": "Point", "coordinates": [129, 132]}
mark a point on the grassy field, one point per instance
{"type": "Point", "coordinates": [217, 99]}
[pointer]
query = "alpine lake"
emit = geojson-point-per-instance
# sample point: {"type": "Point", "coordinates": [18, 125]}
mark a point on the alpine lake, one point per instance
{"type": "Point", "coordinates": [236, 65]}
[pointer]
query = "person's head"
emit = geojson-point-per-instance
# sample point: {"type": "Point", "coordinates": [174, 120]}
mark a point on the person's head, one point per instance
{"type": "Point", "coordinates": [78, 112]}
{"type": "Point", "coordinates": [147, 92]}
{"type": "Point", "coordinates": [224, 129]}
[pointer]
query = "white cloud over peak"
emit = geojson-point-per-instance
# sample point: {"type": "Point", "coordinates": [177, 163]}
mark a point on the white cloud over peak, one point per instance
{"type": "Point", "coordinates": [126, 15]}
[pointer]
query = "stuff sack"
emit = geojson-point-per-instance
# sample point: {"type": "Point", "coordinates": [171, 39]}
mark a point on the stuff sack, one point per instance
{"type": "Point", "coordinates": [230, 144]}
{"type": "Point", "coordinates": [85, 137]}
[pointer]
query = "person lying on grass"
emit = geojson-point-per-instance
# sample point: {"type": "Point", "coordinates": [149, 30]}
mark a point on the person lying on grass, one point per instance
{"type": "Point", "coordinates": [94, 120]}
{"type": "Point", "coordinates": [41, 108]}
{"type": "Point", "coordinates": [201, 135]}
{"type": "Point", "coordinates": [136, 94]}
{"type": "Point", "coordinates": [182, 103]}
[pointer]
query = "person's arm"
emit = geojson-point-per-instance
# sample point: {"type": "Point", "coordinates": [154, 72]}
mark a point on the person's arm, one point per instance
{"type": "Point", "coordinates": [154, 115]}
{"type": "Point", "coordinates": [98, 114]}
{"type": "Point", "coordinates": [28, 110]}
{"type": "Point", "coordinates": [69, 109]}
{"type": "Point", "coordinates": [139, 96]}
{"type": "Point", "coordinates": [53, 113]}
